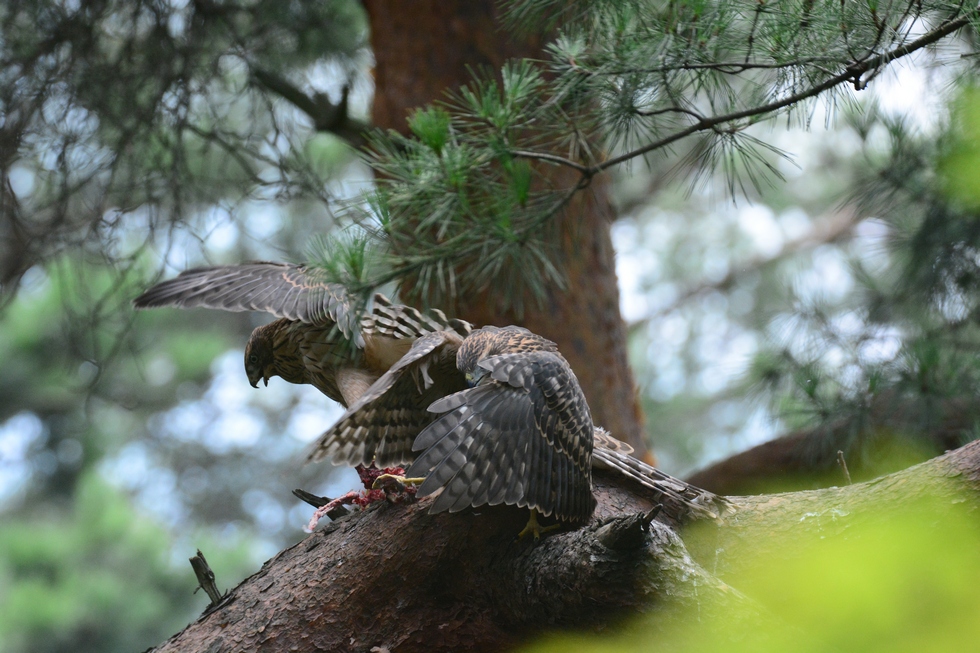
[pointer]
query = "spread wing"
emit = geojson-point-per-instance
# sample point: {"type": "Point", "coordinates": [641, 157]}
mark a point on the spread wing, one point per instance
{"type": "Point", "coordinates": [523, 436]}
{"type": "Point", "coordinates": [382, 424]}
{"type": "Point", "coordinates": [292, 291]}
{"type": "Point", "coordinates": [681, 499]}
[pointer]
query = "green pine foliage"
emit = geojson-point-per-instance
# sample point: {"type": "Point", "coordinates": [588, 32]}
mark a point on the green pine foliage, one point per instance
{"type": "Point", "coordinates": [466, 197]}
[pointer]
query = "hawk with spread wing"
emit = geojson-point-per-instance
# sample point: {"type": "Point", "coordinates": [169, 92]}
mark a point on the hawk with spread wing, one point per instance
{"type": "Point", "coordinates": [318, 337]}
{"type": "Point", "coordinates": [520, 434]}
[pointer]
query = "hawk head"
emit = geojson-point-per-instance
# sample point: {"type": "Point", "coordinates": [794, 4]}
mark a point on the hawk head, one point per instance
{"type": "Point", "coordinates": [493, 341]}
{"type": "Point", "coordinates": [259, 360]}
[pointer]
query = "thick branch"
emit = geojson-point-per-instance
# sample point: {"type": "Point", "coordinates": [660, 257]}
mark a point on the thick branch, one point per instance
{"type": "Point", "coordinates": [773, 527]}
{"type": "Point", "coordinates": [399, 579]}
{"type": "Point", "coordinates": [807, 458]}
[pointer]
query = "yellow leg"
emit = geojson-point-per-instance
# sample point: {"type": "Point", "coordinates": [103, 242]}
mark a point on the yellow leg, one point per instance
{"type": "Point", "coordinates": [393, 481]}
{"type": "Point", "coordinates": [534, 528]}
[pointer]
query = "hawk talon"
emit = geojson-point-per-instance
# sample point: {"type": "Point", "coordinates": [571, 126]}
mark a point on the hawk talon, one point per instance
{"type": "Point", "coordinates": [533, 527]}
{"type": "Point", "coordinates": [394, 482]}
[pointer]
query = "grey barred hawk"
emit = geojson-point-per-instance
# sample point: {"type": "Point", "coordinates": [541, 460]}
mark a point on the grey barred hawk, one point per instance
{"type": "Point", "coordinates": [319, 337]}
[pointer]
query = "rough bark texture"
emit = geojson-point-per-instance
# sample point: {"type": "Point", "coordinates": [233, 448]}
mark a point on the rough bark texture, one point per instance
{"type": "Point", "coordinates": [396, 578]}
{"type": "Point", "coordinates": [423, 48]}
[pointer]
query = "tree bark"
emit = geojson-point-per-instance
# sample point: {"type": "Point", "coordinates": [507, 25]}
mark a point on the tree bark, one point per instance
{"type": "Point", "coordinates": [394, 578]}
{"type": "Point", "coordinates": [424, 48]}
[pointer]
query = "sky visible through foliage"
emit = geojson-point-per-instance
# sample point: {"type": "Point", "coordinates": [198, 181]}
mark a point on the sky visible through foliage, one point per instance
{"type": "Point", "coordinates": [182, 453]}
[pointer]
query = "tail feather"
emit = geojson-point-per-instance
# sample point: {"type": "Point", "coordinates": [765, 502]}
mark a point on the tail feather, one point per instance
{"type": "Point", "coordinates": [679, 497]}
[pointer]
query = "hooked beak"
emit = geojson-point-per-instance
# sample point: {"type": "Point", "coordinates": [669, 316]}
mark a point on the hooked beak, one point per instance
{"type": "Point", "coordinates": [253, 379]}
{"type": "Point", "coordinates": [254, 376]}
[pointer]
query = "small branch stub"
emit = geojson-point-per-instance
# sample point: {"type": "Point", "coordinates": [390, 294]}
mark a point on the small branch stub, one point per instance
{"type": "Point", "coordinates": [205, 579]}
{"type": "Point", "coordinates": [843, 466]}
{"type": "Point", "coordinates": [627, 533]}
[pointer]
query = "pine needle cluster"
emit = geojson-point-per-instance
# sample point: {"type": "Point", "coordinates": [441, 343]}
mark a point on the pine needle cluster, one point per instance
{"type": "Point", "coordinates": [471, 194]}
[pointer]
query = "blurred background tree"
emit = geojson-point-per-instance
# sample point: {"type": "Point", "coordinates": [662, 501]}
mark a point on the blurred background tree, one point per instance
{"type": "Point", "coordinates": [813, 276]}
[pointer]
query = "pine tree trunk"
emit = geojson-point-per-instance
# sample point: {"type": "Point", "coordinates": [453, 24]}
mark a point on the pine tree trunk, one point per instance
{"type": "Point", "coordinates": [424, 48]}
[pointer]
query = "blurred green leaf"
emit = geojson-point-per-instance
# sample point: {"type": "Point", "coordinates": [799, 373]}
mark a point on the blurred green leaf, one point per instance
{"type": "Point", "coordinates": [902, 582]}
{"type": "Point", "coordinates": [959, 166]}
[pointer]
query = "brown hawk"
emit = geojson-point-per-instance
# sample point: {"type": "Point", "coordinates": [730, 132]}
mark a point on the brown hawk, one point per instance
{"type": "Point", "coordinates": [521, 430]}
{"type": "Point", "coordinates": [522, 435]}
{"type": "Point", "coordinates": [319, 338]}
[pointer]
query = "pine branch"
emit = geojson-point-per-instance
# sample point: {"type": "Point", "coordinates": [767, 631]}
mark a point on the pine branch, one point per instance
{"type": "Point", "coordinates": [852, 73]}
{"type": "Point", "coordinates": [461, 200]}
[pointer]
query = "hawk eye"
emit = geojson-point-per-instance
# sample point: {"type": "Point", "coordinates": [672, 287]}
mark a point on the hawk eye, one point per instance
{"type": "Point", "coordinates": [253, 359]}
